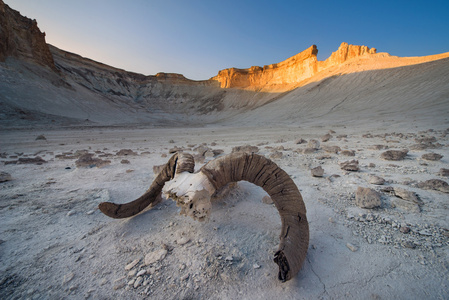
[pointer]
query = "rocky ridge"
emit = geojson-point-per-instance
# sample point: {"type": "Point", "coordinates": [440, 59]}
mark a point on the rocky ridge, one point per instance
{"type": "Point", "coordinates": [288, 73]}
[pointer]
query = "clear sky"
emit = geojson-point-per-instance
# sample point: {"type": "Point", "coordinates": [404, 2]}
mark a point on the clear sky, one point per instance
{"type": "Point", "coordinates": [199, 38]}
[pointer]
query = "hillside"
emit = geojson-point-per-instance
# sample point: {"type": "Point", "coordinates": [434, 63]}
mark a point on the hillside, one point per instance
{"type": "Point", "coordinates": [63, 88]}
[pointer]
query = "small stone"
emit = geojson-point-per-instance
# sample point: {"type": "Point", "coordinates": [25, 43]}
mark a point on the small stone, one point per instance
{"type": "Point", "coordinates": [314, 144]}
{"type": "Point", "coordinates": [332, 149]}
{"type": "Point", "coordinates": [394, 154]}
{"type": "Point", "coordinates": [151, 270]}
{"type": "Point", "coordinates": [367, 198]}
{"type": "Point", "coordinates": [432, 156]}
{"type": "Point", "coordinates": [404, 229]}
{"type": "Point", "coordinates": [326, 137]}
{"type": "Point", "coordinates": [352, 247]}
{"type": "Point", "coordinates": [90, 212]}
{"type": "Point", "coordinates": [125, 161]}
{"type": "Point", "coordinates": [185, 277]}
{"type": "Point", "coordinates": [409, 244]}
{"type": "Point", "coordinates": [256, 266]}
{"type": "Point", "coordinates": [267, 200]}
{"type": "Point", "coordinates": [348, 152]}
{"type": "Point", "coordinates": [376, 180]}
{"type": "Point", "coordinates": [317, 172]}
{"type": "Point", "coordinates": [119, 285]}
{"type": "Point", "coordinates": [70, 213]}
{"type": "Point", "coordinates": [41, 137]}
{"type": "Point", "coordinates": [443, 172]}
{"type": "Point", "coordinates": [131, 282]}
{"type": "Point", "coordinates": [407, 195]}
{"type": "Point", "coordinates": [229, 258]}
{"type": "Point", "coordinates": [183, 240]}
{"type": "Point", "coordinates": [352, 165]}
{"type": "Point", "coordinates": [5, 177]}
{"type": "Point", "coordinates": [155, 256]}
{"type": "Point", "coordinates": [132, 273]}
{"type": "Point", "coordinates": [141, 272]}
{"type": "Point", "coordinates": [138, 282]}
{"type": "Point", "coordinates": [435, 184]}
{"type": "Point", "coordinates": [300, 141]}
{"type": "Point", "coordinates": [131, 264]}
{"type": "Point", "coordinates": [68, 277]}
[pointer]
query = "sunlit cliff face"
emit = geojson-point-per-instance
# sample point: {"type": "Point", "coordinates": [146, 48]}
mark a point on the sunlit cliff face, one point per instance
{"type": "Point", "coordinates": [282, 76]}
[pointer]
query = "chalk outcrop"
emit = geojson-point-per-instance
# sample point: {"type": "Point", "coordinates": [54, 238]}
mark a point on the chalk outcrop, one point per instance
{"type": "Point", "coordinates": [288, 73]}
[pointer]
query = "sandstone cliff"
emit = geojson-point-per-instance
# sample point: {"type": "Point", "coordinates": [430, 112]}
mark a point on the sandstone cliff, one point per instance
{"type": "Point", "coordinates": [287, 74]}
{"type": "Point", "coordinates": [21, 38]}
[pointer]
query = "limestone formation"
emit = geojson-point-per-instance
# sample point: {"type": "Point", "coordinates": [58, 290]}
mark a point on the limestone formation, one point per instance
{"type": "Point", "coordinates": [288, 73]}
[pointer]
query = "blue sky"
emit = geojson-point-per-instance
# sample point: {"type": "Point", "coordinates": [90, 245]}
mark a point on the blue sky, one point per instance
{"type": "Point", "coordinates": [199, 38]}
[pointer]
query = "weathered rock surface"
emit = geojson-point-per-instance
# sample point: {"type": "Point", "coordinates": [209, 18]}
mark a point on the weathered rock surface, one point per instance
{"type": "Point", "coordinates": [443, 172]}
{"type": "Point", "coordinates": [352, 165]}
{"type": "Point", "coordinates": [317, 171]}
{"type": "Point", "coordinates": [332, 149]}
{"type": "Point", "coordinates": [435, 184]}
{"type": "Point", "coordinates": [5, 177]}
{"type": "Point", "coordinates": [155, 256]}
{"type": "Point", "coordinates": [21, 38]}
{"type": "Point", "coordinates": [284, 75]}
{"type": "Point", "coordinates": [407, 195]}
{"type": "Point", "coordinates": [376, 180]}
{"type": "Point", "coordinates": [394, 154]}
{"type": "Point", "coordinates": [432, 156]}
{"type": "Point", "coordinates": [367, 198]}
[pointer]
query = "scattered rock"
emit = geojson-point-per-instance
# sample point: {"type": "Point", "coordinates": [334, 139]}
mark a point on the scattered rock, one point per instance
{"type": "Point", "coordinates": [68, 277]}
{"type": "Point", "coordinates": [432, 156]}
{"type": "Point", "coordinates": [317, 172]}
{"type": "Point", "coordinates": [126, 152]}
{"type": "Point", "coordinates": [332, 149]}
{"type": "Point", "coordinates": [394, 154]}
{"type": "Point", "coordinates": [443, 172]}
{"type": "Point", "coordinates": [407, 195]}
{"type": "Point", "coordinates": [267, 200]}
{"type": "Point", "coordinates": [352, 247]}
{"type": "Point", "coordinates": [435, 184]}
{"type": "Point", "coordinates": [326, 137]}
{"type": "Point", "coordinates": [141, 272]}
{"type": "Point", "coordinates": [308, 150]}
{"type": "Point", "coordinates": [276, 155]}
{"type": "Point", "coordinates": [409, 244]}
{"type": "Point", "coordinates": [246, 148]}
{"type": "Point", "coordinates": [313, 144]}
{"type": "Point", "coordinates": [138, 282]}
{"type": "Point", "coordinates": [183, 240]}
{"type": "Point", "coordinates": [87, 160]}
{"type": "Point", "coordinates": [132, 264]}
{"type": "Point", "coordinates": [404, 229]}
{"type": "Point", "coordinates": [175, 149]}
{"type": "Point", "coordinates": [352, 165]}
{"type": "Point", "coordinates": [300, 141]}
{"type": "Point", "coordinates": [41, 137]}
{"type": "Point", "coordinates": [256, 266]}
{"type": "Point", "coordinates": [373, 179]}
{"type": "Point", "coordinates": [348, 152]}
{"type": "Point", "coordinates": [5, 177]}
{"type": "Point", "coordinates": [405, 205]}
{"type": "Point", "coordinates": [125, 161]}
{"type": "Point", "coordinates": [367, 198]}
{"type": "Point", "coordinates": [155, 256]}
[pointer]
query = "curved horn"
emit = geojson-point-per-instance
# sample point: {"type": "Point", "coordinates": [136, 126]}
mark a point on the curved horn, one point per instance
{"type": "Point", "coordinates": [179, 162]}
{"type": "Point", "coordinates": [294, 237]}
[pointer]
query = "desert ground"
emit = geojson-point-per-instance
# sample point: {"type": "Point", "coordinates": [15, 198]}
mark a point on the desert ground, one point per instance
{"type": "Point", "coordinates": [363, 135]}
{"type": "Point", "coordinates": [56, 244]}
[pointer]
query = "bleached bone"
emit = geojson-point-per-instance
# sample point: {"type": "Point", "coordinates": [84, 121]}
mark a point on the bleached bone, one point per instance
{"type": "Point", "coordinates": [193, 191]}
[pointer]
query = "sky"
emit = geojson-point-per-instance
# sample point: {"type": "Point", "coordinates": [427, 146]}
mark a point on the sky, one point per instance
{"type": "Point", "coordinates": [199, 38]}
